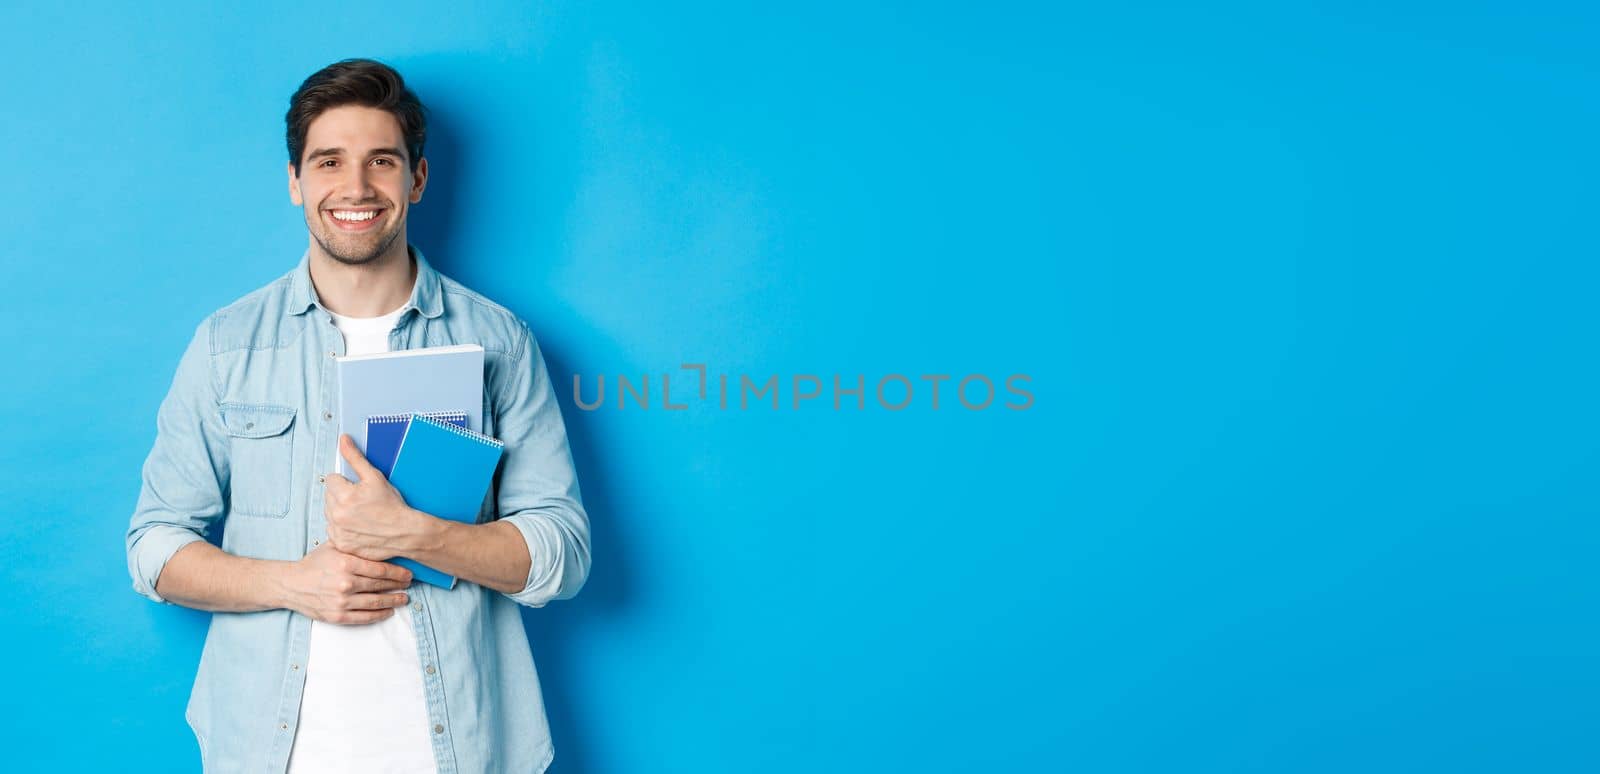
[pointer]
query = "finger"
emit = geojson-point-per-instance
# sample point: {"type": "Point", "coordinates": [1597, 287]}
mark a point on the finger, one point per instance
{"type": "Point", "coordinates": [384, 570]}
{"type": "Point", "coordinates": [335, 480]}
{"type": "Point", "coordinates": [358, 461]}
{"type": "Point", "coordinates": [361, 583]}
{"type": "Point", "coordinates": [354, 617]}
{"type": "Point", "coordinates": [375, 601]}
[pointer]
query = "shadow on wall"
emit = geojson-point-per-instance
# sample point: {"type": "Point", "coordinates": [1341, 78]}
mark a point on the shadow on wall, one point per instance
{"type": "Point", "coordinates": [552, 630]}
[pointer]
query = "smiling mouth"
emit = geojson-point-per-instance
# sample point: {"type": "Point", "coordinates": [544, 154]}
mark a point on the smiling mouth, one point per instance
{"type": "Point", "coordinates": [355, 219]}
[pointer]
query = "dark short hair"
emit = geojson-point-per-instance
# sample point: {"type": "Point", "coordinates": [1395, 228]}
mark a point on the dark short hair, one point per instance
{"type": "Point", "coordinates": [356, 82]}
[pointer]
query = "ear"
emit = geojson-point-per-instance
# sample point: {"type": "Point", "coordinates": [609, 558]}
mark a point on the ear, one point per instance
{"type": "Point", "coordinates": [419, 180]}
{"type": "Point", "coordinates": [294, 186]}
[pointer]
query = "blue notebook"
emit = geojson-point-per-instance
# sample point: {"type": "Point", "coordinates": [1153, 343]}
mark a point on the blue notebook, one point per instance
{"type": "Point", "coordinates": [443, 470]}
{"type": "Point", "coordinates": [384, 432]}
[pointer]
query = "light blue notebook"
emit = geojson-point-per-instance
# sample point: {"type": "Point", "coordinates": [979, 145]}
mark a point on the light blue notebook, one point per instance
{"type": "Point", "coordinates": [420, 380]}
{"type": "Point", "coordinates": [444, 471]}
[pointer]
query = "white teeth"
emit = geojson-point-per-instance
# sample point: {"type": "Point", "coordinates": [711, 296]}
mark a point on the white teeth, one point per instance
{"type": "Point", "coordinates": [355, 216]}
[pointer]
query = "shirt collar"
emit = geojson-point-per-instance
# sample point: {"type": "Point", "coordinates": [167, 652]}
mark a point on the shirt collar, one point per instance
{"type": "Point", "coordinates": [426, 295]}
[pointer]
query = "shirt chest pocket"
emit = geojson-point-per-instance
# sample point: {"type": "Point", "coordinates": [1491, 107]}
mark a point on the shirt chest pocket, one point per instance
{"type": "Point", "coordinates": [261, 458]}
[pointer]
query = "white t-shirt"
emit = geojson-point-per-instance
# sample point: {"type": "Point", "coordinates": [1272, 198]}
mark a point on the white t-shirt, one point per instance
{"type": "Point", "coordinates": [364, 708]}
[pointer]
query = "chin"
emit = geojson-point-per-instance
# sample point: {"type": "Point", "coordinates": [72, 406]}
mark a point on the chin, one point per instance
{"type": "Point", "coordinates": [383, 242]}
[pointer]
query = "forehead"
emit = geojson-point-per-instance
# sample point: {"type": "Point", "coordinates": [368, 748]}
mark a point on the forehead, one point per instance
{"type": "Point", "coordinates": [356, 128]}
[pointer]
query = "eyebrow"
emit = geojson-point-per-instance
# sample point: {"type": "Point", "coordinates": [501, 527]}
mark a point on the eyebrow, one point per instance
{"type": "Point", "coordinates": [320, 152]}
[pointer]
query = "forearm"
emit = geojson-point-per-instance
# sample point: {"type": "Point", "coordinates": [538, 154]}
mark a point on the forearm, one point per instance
{"type": "Point", "coordinates": [493, 555]}
{"type": "Point", "coordinates": [205, 577]}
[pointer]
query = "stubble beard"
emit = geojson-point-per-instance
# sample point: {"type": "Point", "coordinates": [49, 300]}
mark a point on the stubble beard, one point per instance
{"type": "Point", "coordinates": [349, 258]}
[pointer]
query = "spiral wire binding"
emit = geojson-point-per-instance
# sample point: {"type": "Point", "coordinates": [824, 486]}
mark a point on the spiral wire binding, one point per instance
{"type": "Point", "coordinates": [462, 431]}
{"type": "Point", "coordinates": [443, 416]}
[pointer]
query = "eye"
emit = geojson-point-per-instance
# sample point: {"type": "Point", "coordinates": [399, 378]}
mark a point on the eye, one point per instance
{"type": "Point", "coordinates": [327, 162]}
{"type": "Point", "coordinates": [390, 162]}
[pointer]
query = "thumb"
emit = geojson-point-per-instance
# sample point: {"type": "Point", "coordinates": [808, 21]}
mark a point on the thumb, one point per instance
{"type": "Point", "coordinates": [358, 461]}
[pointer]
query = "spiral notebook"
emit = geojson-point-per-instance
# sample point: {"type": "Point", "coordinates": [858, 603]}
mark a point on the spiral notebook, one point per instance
{"type": "Point", "coordinates": [443, 470]}
{"type": "Point", "coordinates": [384, 432]}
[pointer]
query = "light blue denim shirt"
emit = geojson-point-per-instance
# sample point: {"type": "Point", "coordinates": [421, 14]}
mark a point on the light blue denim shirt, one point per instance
{"type": "Point", "coordinates": [242, 436]}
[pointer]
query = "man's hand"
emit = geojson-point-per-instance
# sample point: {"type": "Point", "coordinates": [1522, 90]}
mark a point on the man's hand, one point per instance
{"type": "Point", "coordinates": [368, 519]}
{"type": "Point", "coordinates": [334, 587]}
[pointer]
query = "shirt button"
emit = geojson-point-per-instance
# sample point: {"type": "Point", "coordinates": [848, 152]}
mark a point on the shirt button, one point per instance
{"type": "Point", "coordinates": [417, 606]}
{"type": "Point", "coordinates": [331, 353]}
{"type": "Point", "coordinates": [438, 729]}
{"type": "Point", "coordinates": [327, 415]}
{"type": "Point", "coordinates": [321, 477]}
{"type": "Point", "coordinates": [294, 666]}
{"type": "Point", "coordinates": [430, 669]}
{"type": "Point", "coordinates": [316, 542]}
{"type": "Point", "coordinates": [283, 726]}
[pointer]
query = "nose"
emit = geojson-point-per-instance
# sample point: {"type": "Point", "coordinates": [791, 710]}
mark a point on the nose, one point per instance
{"type": "Point", "coordinates": [357, 184]}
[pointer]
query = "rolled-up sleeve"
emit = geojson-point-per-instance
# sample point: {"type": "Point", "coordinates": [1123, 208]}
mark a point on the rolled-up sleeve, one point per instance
{"type": "Point", "coordinates": [181, 493]}
{"type": "Point", "coordinates": [536, 486]}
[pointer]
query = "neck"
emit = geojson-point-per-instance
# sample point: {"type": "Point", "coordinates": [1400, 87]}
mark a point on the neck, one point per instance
{"type": "Point", "coordinates": [372, 289]}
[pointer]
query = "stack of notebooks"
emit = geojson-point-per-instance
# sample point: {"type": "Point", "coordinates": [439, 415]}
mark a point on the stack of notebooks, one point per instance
{"type": "Point", "coordinates": [417, 416]}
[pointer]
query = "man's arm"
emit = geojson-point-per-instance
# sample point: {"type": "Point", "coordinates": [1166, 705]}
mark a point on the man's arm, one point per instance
{"type": "Point", "coordinates": [538, 550]}
{"type": "Point", "coordinates": [492, 555]}
{"type": "Point", "coordinates": [184, 474]}
{"type": "Point", "coordinates": [205, 577]}
{"type": "Point", "coordinates": [326, 585]}
{"type": "Point", "coordinates": [181, 497]}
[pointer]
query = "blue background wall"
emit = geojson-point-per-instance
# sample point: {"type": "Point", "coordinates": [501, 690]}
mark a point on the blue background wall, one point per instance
{"type": "Point", "coordinates": [1306, 293]}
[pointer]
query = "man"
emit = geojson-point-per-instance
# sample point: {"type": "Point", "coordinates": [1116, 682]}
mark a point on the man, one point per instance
{"type": "Point", "coordinates": [321, 656]}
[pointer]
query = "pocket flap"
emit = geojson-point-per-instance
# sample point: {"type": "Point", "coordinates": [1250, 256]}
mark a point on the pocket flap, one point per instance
{"type": "Point", "coordinates": [256, 420]}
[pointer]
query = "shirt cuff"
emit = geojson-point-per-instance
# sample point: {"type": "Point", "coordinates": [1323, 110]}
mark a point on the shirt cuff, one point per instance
{"type": "Point", "coordinates": [150, 554]}
{"type": "Point", "coordinates": [545, 559]}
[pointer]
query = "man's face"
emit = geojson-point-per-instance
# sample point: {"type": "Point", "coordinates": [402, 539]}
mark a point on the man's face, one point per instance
{"type": "Point", "coordinates": [355, 183]}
